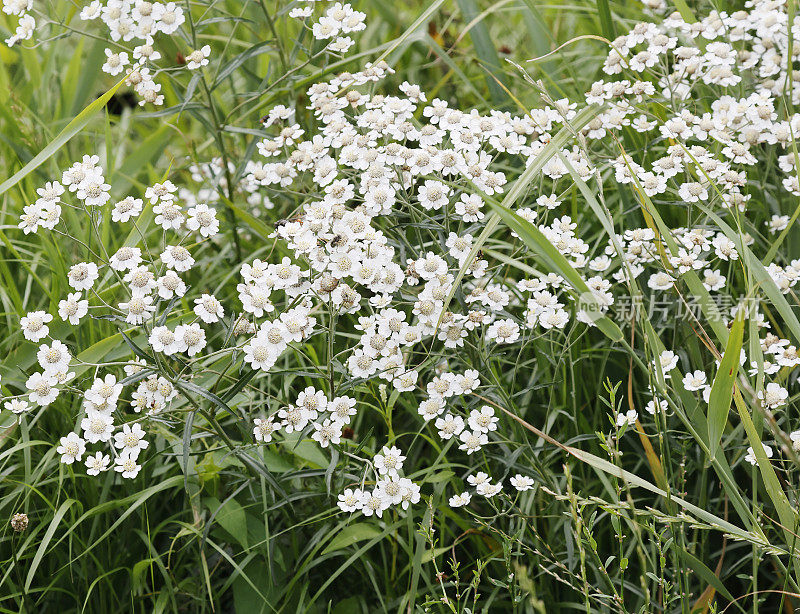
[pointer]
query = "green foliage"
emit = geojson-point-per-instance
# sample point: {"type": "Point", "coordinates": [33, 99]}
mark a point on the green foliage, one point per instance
{"type": "Point", "coordinates": [613, 524]}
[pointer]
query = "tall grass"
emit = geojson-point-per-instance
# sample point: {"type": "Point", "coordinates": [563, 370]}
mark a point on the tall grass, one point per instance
{"type": "Point", "coordinates": [660, 515]}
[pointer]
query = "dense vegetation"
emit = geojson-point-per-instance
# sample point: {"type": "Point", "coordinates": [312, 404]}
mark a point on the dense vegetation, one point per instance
{"type": "Point", "coordinates": [446, 306]}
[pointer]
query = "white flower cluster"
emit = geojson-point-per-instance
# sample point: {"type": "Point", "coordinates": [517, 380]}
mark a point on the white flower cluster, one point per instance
{"type": "Point", "coordinates": [338, 21]}
{"type": "Point", "coordinates": [146, 295]}
{"type": "Point", "coordinates": [390, 487]}
{"type": "Point", "coordinates": [26, 24]}
{"type": "Point", "coordinates": [391, 195]}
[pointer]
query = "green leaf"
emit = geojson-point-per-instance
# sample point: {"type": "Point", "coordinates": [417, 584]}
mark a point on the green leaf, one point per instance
{"type": "Point", "coordinates": [484, 48]}
{"type": "Point", "coordinates": [765, 282]}
{"type": "Point", "coordinates": [786, 513]}
{"type": "Point", "coordinates": [352, 534]}
{"type": "Point", "coordinates": [685, 11]}
{"type": "Point", "coordinates": [634, 480]}
{"type": "Point", "coordinates": [411, 30]}
{"type": "Point", "coordinates": [48, 535]}
{"type": "Point", "coordinates": [231, 517]}
{"type": "Point", "coordinates": [562, 137]}
{"type": "Point", "coordinates": [606, 23]}
{"type": "Point", "coordinates": [702, 570]}
{"type": "Point", "coordinates": [227, 70]}
{"type": "Point", "coordinates": [149, 151]}
{"type": "Point", "coordinates": [556, 262]}
{"type": "Point", "coordinates": [72, 128]}
{"type": "Point", "coordinates": [719, 404]}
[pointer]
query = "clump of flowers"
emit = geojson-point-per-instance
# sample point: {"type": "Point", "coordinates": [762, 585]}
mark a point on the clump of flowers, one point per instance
{"type": "Point", "coordinates": [399, 294]}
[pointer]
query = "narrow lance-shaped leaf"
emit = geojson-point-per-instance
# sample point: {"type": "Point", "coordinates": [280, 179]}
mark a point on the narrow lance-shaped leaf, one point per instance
{"type": "Point", "coordinates": [556, 262]}
{"type": "Point", "coordinates": [561, 138]}
{"type": "Point", "coordinates": [72, 128]}
{"type": "Point", "coordinates": [719, 403]}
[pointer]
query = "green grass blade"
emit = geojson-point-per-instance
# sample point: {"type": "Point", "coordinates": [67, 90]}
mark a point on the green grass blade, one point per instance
{"type": "Point", "coordinates": [484, 49]}
{"type": "Point", "coordinates": [71, 129]}
{"type": "Point", "coordinates": [556, 262]}
{"type": "Point", "coordinates": [719, 403]}
{"type": "Point", "coordinates": [606, 23]}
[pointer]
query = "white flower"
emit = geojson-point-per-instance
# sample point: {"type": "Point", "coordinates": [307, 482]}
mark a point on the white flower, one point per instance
{"type": "Point", "coordinates": [177, 257]}
{"type": "Point", "coordinates": [795, 437]}
{"type": "Point", "coordinates": [141, 281]}
{"type": "Point", "coordinates": [104, 392]}
{"type": "Point", "coordinates": [374, 502]}
{"type": "Point", "coordinates": [469, 207]}
{"type": "Point", "coordinates": [479, 478]}
{"type": "Point", "coordinates": [327, 432]}
{"type": "Point", "coordinates": [34, 325]}
{"type": "Point", "coordinates": [777, 223]}
{"type": "Point", "coordinates": [42, 388]}
{"type": "Point", "coordinates": [168, 17]}
{"type": "Point", "coordinates": [695, 381]}
{"type": "Point", "coordinates": [503, 331]}
{"type": "Point", "coordinates": [91, 11]}
{"type": "Point", "coordinates": [713, 280]}
{"type": "Point", "coordinates": [126, 258]}
{"type": "Point", "coordinates": [126, 465]}
{"type": "Point", "coordinates": [198, 58]}
{"type": "Point", "coordinates": [263, 429]}
{"type": "Point", "coordinates": [192, 337]}
{"type": "Point", "coordinates": [774, 395]}
{"type": "Point", "coordinates": [472, 441]}
{"type": "Point", "coordinates": [522, 482]}
{"type": "Point", "coordinates": [139, 309]}
{"type": "Point", "coordinates": [130, 440]}
{"type": "Point", "coordinates": [260, 354]}
{"type": "Point", "coordinates": [341, 44]}
{"type": "Point", "coordinates": [16, 406]}
{"type": "Point", "coordinates": [162, 339]}
{"type": "Point", "coordinates": [350, 500]}
{"type": "Point", "coordinates": [97, 463]}
{"type": "Point", "coordinates": [126, 209]}
{"type": "Point", "coordinates": [71, 449]}
{"type": "Point", "coordinates": [460, 500]}
{"type": "Point", "coordinates": [630, 417]}
{"type": "Point", "coordinates": [82, 276]}
{"type": "Point", "coordinates": [667, 361]}
{"type": "Point", "coordinates": [203, 219]}
{"type": "Point", "coordinates": [97, 426]}
{"type": "Point", "coordinates": [325, 28]}
{"type": "Point", "coordinates": [24, 30]}
{"type": "Point", "coordinates": [170, 285]}
{"type": "Point", "coordinates": [449, 426]}
{"type": "Point", "coordinates": [115, 62]}
{"type": "Point", "coordinates": [433, 195]}
{"type": "Point", "coordinates": [342, 409]}
{"type": "Point", "coordinates": [406, 381]}
{"type": "Point", "coordinates": [389, 461]}
{"type": "Point", "coordinates": [483, 420]}
{"type": "Point", "coordinates": [93, 190]}
{"type": "Point", "coordinates": [53, 358]}
{"type": "Point", "coordinates": [650, 408]}
{"type": "Point", "coordinates": [208, 309]}
{"type": "Point", "coordinates": [168, 214]}
{"type": "Point", "coordinates": [751, 455]}
{"type": "Point", "coordinates": [660, 281]}
{"type": "Point", "coordinates": [73, 308]}
{"type": "Point", "coordinates": [489, 490]}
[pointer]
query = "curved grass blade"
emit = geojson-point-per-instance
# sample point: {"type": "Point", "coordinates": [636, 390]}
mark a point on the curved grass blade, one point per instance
{"type": "Point", "coordinates": [555, 261]}
{"type": "Point", "coordinates": [765, 282]}
{"type": "Point", "coordinates": [71, 129]}
{"type": "Point", "coordinates": [719, 404]}
{"type": "Point", "coordinates": [561, 138]}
